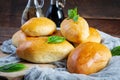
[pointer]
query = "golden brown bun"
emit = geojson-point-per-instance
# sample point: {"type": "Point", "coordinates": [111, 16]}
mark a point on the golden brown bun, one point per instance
{"type": "Point", "coordinates": [18, 38]}
{"type": "Point", "coordinates": [93, 37]}
{"type": "Point", "coordinates": [75, 31]}
{"type": "Point", "coordinates": [39, 27]}
{"type": "Point", "coordinates": [37, 50]}
{"type": "Point", "coordinates": [88, 58]}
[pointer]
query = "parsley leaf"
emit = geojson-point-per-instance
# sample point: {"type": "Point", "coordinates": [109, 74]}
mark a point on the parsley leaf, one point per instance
{"type": "Point", "coordinates": [72, 14]}
{"type": "Point", "coordinates": [12, 67]}
{"type": "Point", "coordinates": [116, 51]}
{"type": "Point", "coordinates": [55, 39]}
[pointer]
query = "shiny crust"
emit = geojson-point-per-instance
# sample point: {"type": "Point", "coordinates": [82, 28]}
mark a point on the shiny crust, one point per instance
{"type": "Point", "coordinates": [37, 50]}
{"type": "Point", "coordinates": [75, 31]}
{"type": "Point", "coordinates": [88, 58]}
{"type": "Point", "coordinates": [39, 27]}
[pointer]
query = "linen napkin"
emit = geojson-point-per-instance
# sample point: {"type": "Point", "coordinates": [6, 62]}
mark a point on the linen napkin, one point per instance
{"type": "Point", "coordinates": [111, 72]}
{"type": "Point", "coordinates": [8, 48]}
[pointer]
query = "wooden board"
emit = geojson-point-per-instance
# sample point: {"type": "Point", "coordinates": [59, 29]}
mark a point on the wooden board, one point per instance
{"type": "Point", "coordinates": [18, 75]}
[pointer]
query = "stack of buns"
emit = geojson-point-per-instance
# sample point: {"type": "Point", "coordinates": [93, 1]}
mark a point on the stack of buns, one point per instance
{"type": "Point", "coordinates": [32, 45]}
{"type": "Point", "coordinates": [88, 57]}
{"type": "Point", "coordinates": [79, 32]}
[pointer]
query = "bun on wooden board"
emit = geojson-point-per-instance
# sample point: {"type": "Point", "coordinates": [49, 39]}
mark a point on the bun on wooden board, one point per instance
{"type": "Point", "coordinates": [38, 50]}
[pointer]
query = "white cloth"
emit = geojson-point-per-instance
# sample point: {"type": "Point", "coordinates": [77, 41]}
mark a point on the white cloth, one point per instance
{"type": "Point", "coordinates": [8, 48]}
{"type": "Point", "coordinates": [109, 40]}
{"type": "Point", "coordinates": [111, 72]}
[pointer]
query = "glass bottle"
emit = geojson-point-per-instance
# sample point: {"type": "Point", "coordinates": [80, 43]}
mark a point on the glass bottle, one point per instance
{"type": "Point", "coordinates": [33, 9]}
{"type": "Point", "coordinates": [55, 11]}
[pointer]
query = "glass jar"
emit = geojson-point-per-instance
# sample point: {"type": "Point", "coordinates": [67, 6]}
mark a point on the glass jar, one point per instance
{"type": "Point", "coordinates": [32, 9]}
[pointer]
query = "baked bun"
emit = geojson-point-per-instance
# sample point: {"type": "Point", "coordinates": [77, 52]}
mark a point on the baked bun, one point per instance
{"type": "Point", "coordinates": [39, 27]}
{"type": "Point", "coordinates": [75, 31]}
{"type": "Point", "coordinates": [88, 58]}
{"type": "Point", "coordinates": [18, 38]}
{"type": "Point", "coordinates": [94, 36]}
{"type": "Point", "coordinates": [38, 50]}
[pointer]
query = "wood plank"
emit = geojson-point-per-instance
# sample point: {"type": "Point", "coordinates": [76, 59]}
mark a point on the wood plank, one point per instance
{"type": "Point", "coordinates": [18, 75]}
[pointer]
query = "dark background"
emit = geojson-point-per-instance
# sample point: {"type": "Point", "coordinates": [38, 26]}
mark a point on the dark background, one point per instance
{"type": "Point", "coordinates": [11, 10]}
{"type": "Point", "coordinates": [101, 14]}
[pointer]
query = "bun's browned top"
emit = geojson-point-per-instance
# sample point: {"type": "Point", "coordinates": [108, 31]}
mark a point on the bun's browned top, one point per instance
{"type": "Point", "coordinates": [88, 58]}
{"type": "Point", "coordinates": [39, 27]}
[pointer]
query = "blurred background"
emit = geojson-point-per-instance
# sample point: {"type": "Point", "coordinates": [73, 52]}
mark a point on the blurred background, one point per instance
{"type": "Point", "coordinates": [101, 14]}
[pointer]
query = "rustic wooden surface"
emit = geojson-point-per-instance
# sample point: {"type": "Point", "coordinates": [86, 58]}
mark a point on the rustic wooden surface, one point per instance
{"type": "Point", "coordinates": [86, 8]}
{"type": "Point", "coordinates": [18, 75]}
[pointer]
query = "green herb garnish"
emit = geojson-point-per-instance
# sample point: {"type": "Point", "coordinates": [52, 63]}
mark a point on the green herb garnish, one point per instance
{"type": "Point", "coordinates": [12, 67]}
{"type": "Point", "coordinates": [116, 51]}
{"type": "Point", "coordinates": [72, 14]}
{"type": "Point", "coordinates": [55, 39]}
